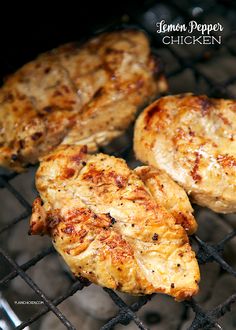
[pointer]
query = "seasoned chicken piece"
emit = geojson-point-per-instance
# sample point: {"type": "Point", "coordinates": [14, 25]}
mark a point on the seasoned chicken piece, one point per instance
{"type": "Point", "coordinates": [192, 138]}
{"type": "Point", "coordinates": [76, 95]}
{"type": "Point", "coordinates": [170, 195]}
{"type": "Point", "coordinates": [108, 227]}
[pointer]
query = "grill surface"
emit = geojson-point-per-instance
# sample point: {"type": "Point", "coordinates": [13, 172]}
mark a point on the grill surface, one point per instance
{"type": "Point", "coordinates": [188, 68]}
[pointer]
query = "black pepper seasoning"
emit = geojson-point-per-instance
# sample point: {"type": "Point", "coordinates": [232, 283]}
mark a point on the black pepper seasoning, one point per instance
{"type": "Point", "coordinates": [155, 237]}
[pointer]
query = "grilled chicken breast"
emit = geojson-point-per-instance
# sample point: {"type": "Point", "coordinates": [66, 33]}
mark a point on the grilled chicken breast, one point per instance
{"type": "Point", "coordinates": [109, 228]}
{"type": "Point", "coordinates": [170, 195]}
{"type": "Point", "coordinates": [76, 95]}
{"type": "Point", "coordinates": [192, 138]}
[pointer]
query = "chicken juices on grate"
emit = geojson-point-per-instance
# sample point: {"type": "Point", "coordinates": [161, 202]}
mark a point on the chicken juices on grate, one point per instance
{"type": "Point", "coordinates": [192, 138]}
{"type": "Point", "coordinates": [109, 228]}
{"type": "Point", "coordinates": [86, 94]}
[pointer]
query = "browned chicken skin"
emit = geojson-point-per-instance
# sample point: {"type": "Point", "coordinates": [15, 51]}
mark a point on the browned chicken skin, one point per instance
{"type": "Point", "coordinates": [192, 138]}
{"type": "Point", "coordinates": [109, 228]}
{"type": "Point", "coordinates": [76, 95]}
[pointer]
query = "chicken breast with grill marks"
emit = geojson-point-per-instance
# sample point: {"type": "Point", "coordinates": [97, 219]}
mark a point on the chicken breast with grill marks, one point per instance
{"type": "Point", "coordinates": [192, 138]}
{"type": "Point", "coordinates": [170, 195]}
{"type": "Point", "coordinates": [109, 228]}
{"type": "Point", "coordinates": [86, 94]}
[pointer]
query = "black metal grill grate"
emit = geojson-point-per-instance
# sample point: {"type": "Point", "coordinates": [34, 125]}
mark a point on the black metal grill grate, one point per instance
{"type": "Point", "coordinates": [204, 319]}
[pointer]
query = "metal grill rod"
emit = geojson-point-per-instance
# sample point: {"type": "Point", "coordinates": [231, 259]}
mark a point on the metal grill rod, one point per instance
{"type": "Point", "coordinates": [37, 290]}
{"type": "Point", "coordinates": [73, 289]}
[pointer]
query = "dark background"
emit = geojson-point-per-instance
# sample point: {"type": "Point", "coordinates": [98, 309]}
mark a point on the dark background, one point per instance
{"type": "Point", "coordinates": [28, 28]}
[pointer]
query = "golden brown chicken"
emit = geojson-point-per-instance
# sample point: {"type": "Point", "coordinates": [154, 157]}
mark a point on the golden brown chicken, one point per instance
{"type": "Point", "coordinates": [76, 95]}
{"type": "Point", "coordinates": [108, 227]}
{"type": "Point", "coordinates": [170, 195]}
{"type": "Point", "coordinates": [193, 139]}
